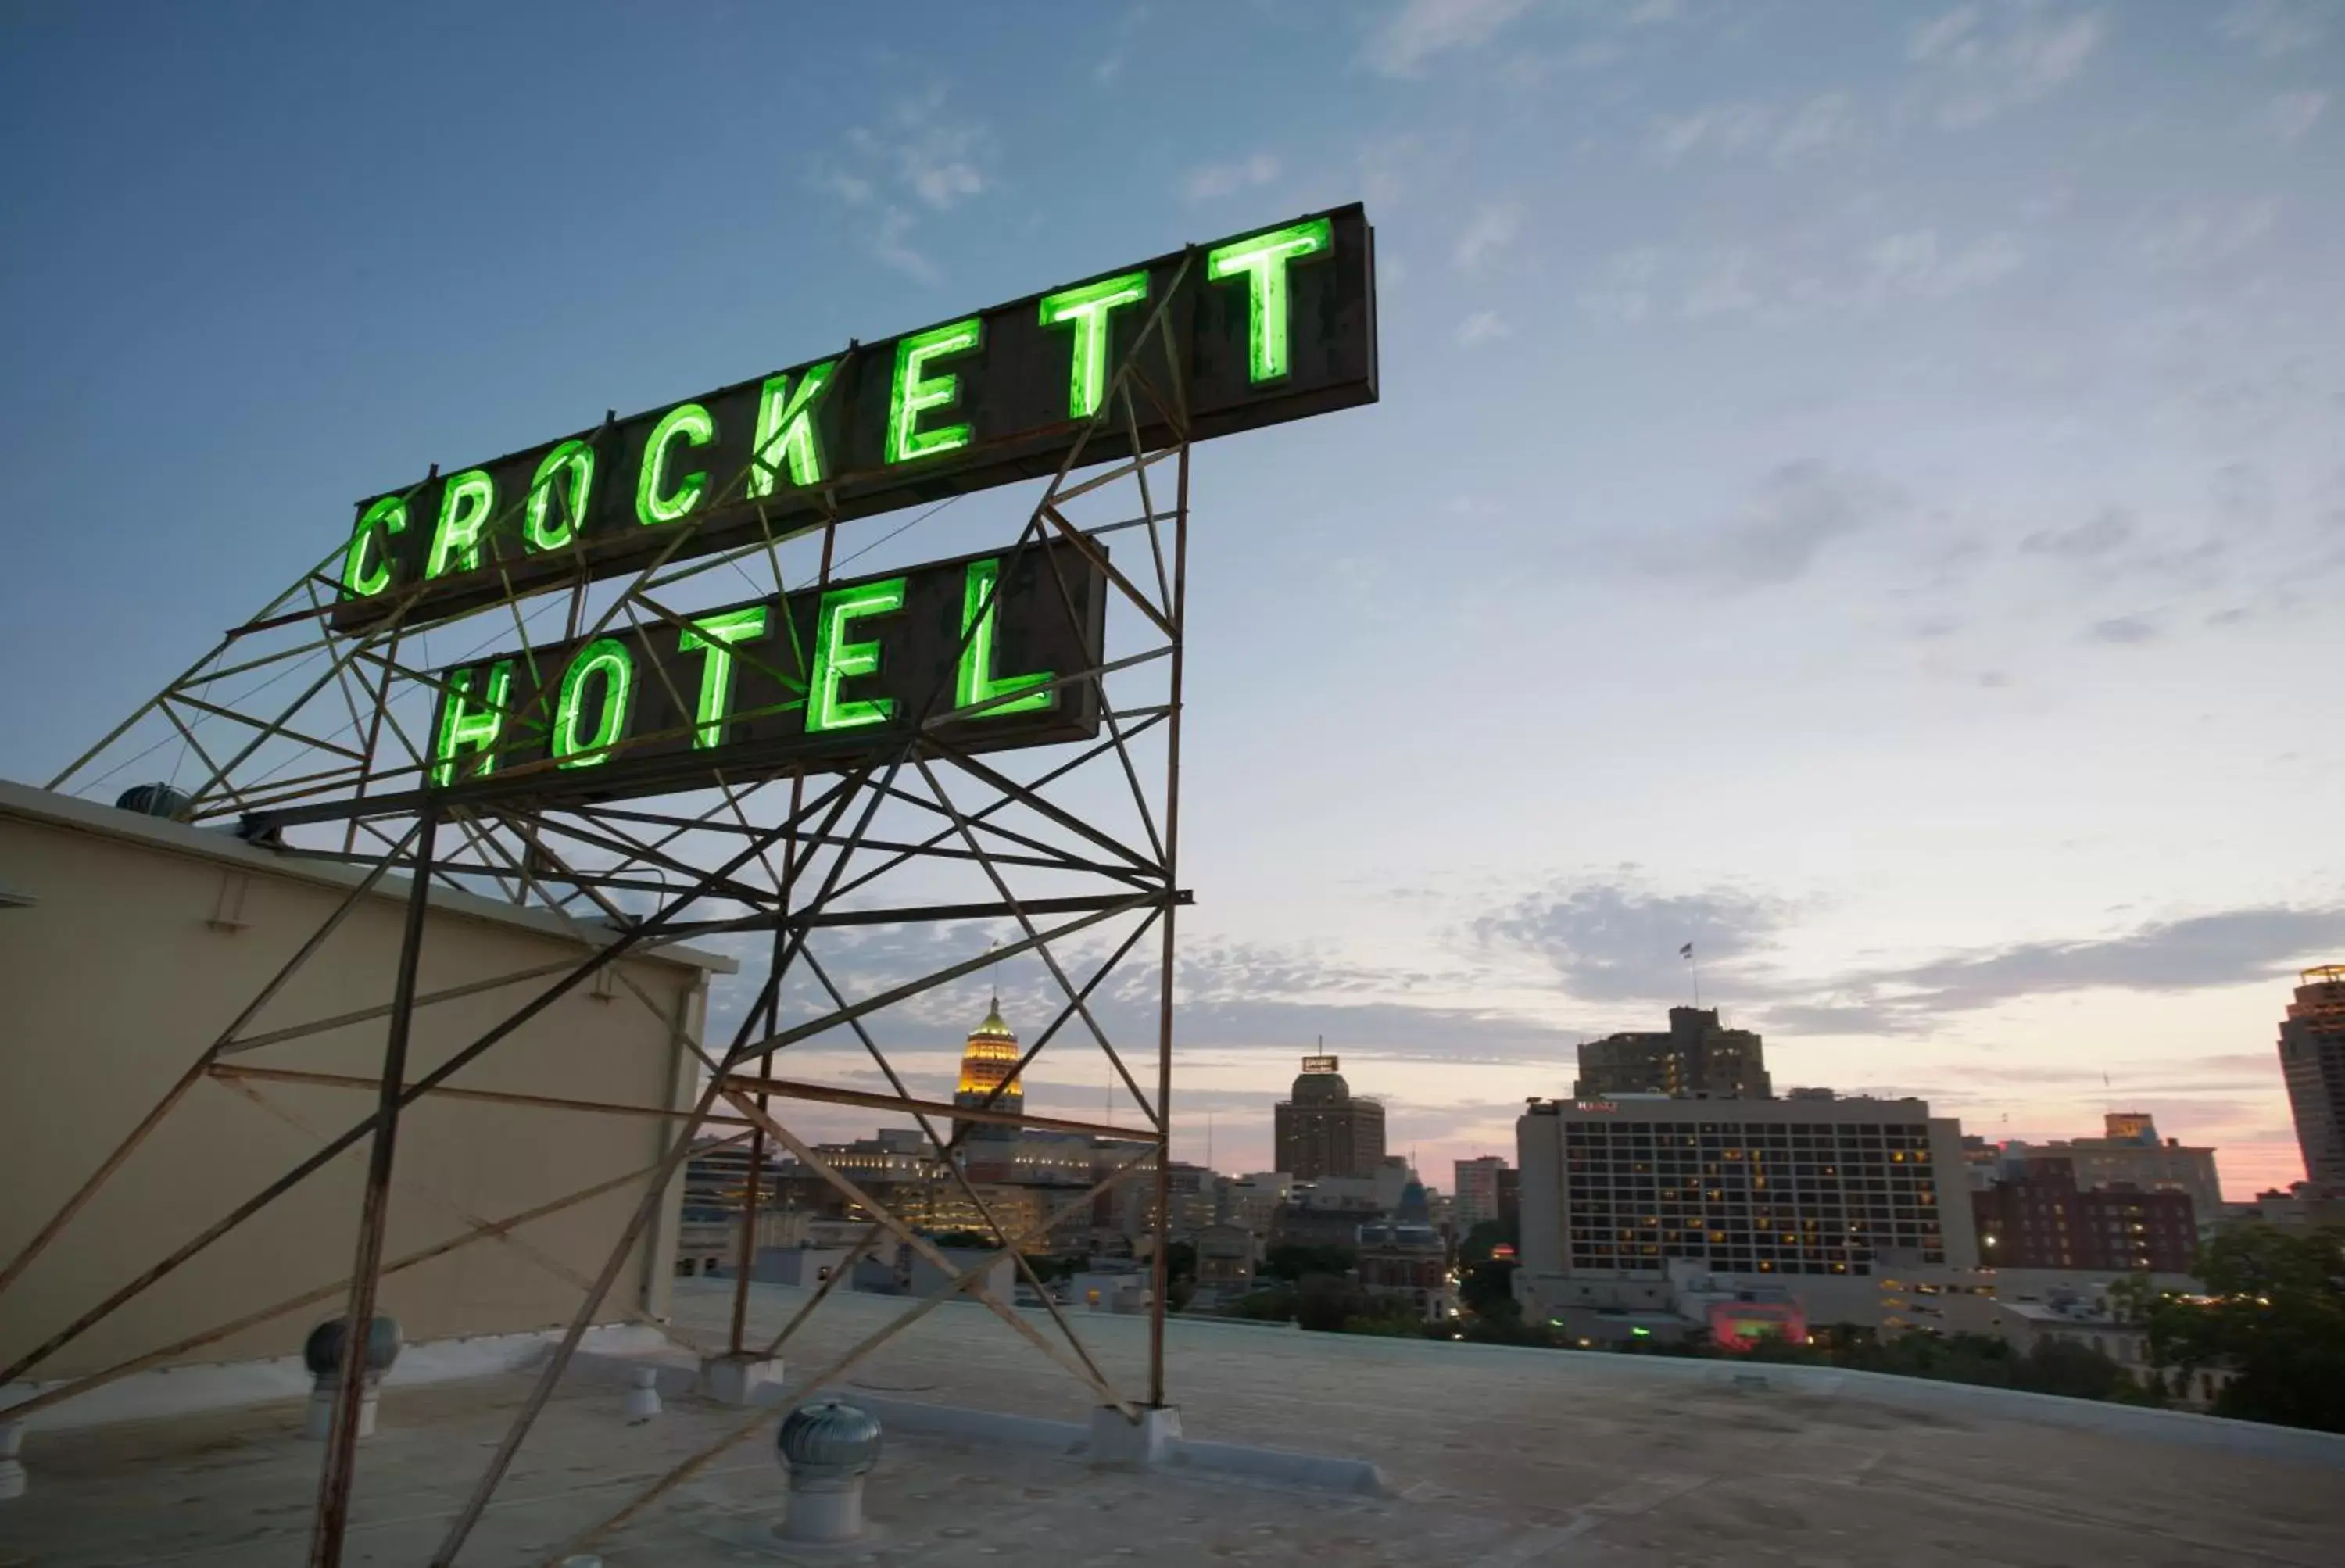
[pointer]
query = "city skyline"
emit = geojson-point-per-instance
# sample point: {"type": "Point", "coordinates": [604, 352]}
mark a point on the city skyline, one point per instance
{"type": "Point", "coordinates": [1853, 490]}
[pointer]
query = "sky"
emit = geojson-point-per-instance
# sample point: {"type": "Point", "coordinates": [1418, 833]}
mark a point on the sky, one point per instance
{"type": "Point", "coordinates": [1855, 488]}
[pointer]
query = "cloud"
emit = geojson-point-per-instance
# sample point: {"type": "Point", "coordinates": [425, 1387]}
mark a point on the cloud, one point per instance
{"type": "Point", "coordinates": [2123, 630]}
{"type": "Point", "coordinates": [2234, 947]}
{"type": "Point", "coordinates": [1799, 509]}
{"type": "Point", "coordinates": [1216, 181]}
{"type": "Point", "coordinates": [1731, 131]}
{"type": "Point", "coordinates": [2179, 242]}
{"type": "Point", "coordinates": [1723, 288]}
{"type": "Point", "coordinates": [1482, 327]}
{"type": "Point", "coordinates": [891, 244]}
{"type": "Point", "coordinates": [1417, 30]}
{"type": "Point", "coordinates": [1624, 293]}
{"type": "Point", "coordinates": [1614, 940]}
{"type": "Point", "coordinates": [2270, 28]}
{"type": "Point", "coordinates": [1980, 64]}
{"type": "Point", "coordinates": [1490, 230]}
{"type": "Point", "coordinates": [2287, 117]}
{"type": "Point", "coordinates": [2110, 529]}
{"type": "Point", "coordinates": [920, 158]}
{"type": "Point", "coordinates": [1912, 265]}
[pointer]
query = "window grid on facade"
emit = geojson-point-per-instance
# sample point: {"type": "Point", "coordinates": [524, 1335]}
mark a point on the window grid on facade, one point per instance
{"type": "Point", "coordinates": [1750, 1198]}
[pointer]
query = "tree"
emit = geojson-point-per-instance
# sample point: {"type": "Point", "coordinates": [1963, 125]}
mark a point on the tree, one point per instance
{"type": "Point", "coordinates": [1323, 1302]}
{"type": "Point", "coordinates": [2273, 1317]}
{"type": "Point", "coordinates": [1290, 1260]}
{"type": "Point", "coordinates": [1486, 1235]}
{"type": "Point", "coordinates": [1486, 1289]}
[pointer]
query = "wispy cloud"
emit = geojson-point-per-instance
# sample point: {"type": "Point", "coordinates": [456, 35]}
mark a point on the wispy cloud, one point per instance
{"type": "Point", "coordinates": [1797, 513]}
{"type": "Point", "coordinates": [2194, 238]}
{"type": "Point", "coordinates": [2109, 530]}
{"type": "Point", "coordinates": [1489, 233]}
{"type": "Point", "coordinates": [1416, 30]}
{"type": "Point", "coordinates": [2272, 27]}
{"type": "Point", "coordinates": [1785, 137]}
{"type": "Point", "coordinates": [921, 160]}
{"type": "Point", "coordinates": [1914, 265]}
{"type": "Point", "coordinates": [1612, 940]}
{"type": "Point", "coordinates": [1212, 181]}
{"type": "Point", "coordinates": [2288, 117]}
{"type": "Point", "coordinates": [2233, 947]}
{"type": "Point", "coordinates": [1980, 62]}
{"type": "Point", "coordinates": [2125, 631]}
{"type": "Point", "coordinates": [1482, 327]}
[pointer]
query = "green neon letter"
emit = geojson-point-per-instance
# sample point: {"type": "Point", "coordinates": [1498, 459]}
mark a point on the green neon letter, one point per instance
{"type": "Point", "coordinates": [554, 522]}
{"type": "Point", "coordinates": [655, 503]}
{"type": "Point", "coordinates": [785, 431]}
{"type": "Point", "coordinates": [977, 682]}
{"type": "Point", "coordinates": [469, 725]}
{"type": "Point", "coordinates": [1087, 308]}
{"type": "Point", "coordinates": [1263, 260]}
{"type": "Point", "coordinates": [836, 659]}
{"type": "Point", "coordinates": [386, 517]}
{"type": "Point", "coordinates": [915, 393]}
{"type": "Point", "coordinates": [607, 658]}
{"type": "Point", "coordinates": [465, 502]}
{"type": "Point", "coordinates": [717, 634]}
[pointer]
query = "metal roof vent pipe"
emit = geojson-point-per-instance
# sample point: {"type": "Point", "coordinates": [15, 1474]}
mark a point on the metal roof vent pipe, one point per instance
{"type": "Point", "coordinates": [322, 1354]}
{"type": "Point", "coordinates": [157, 801]}
{"type": "Point", "coordinates": [827, 1449]}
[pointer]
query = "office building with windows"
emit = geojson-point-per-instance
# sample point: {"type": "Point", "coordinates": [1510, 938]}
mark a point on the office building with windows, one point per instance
{"type": "Point", "coordinates": [1818, 1195]}
{"type": "Point", "coordinates": [1322, 1130]}
{"type": "Point", "coordinates": [2312, 1060]}
{"type": "Point", "coordinates": [1694, 1059]}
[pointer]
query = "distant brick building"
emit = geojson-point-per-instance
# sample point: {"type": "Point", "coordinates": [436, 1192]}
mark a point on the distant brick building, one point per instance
{"type": "Point", "coordinates": [2041, 1220]}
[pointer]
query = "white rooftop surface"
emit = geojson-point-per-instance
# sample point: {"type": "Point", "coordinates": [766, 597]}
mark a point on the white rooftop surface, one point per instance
{"type": "Point", "coordinates": [1494, 1458]}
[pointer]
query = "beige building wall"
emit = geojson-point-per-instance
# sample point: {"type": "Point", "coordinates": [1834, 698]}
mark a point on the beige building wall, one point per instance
{"type": "Point", "coordinates": [141, 942]}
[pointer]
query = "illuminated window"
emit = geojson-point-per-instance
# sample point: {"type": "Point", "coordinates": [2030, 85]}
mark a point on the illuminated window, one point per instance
{"type": "Point", "coordinates": [606, 663]}
{"type": "Point", "coordinates": [465, 502]}
{"type": "Point", "coordinates": [835, 659]}
{"type": "Point", "coordinates": [385, 518]}
{"type": "Point", "coordinates": [655, 503]}
{"type": "Point", "coordinates": [554, 518]}
{"type": "Point", "coordinates": [915, 392]}
{"type": "Point", "coordinates": [1263, 261]}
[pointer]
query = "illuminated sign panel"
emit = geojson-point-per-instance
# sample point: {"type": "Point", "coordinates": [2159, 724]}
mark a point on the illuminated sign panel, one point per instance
{"type": "Point", "coordinates": [836, 676]}
{"type": "Point", "coordinates": [1319, 1064]}
{"type": "Point", "coordinates": [1273, 325]}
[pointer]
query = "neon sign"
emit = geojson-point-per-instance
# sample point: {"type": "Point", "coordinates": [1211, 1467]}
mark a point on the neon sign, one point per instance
{"type": "Point", "coordinates": [990, 652]}
{"type": "Point", "coordinates": [1255, 330]}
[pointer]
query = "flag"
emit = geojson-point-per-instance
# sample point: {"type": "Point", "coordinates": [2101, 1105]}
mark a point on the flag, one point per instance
{"type": "Point", "coordinates": [1686, 952]}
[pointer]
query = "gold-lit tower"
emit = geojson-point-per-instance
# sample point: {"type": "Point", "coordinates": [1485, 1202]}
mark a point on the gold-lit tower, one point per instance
{"type": "Point", "coordinates": [989, 1058]}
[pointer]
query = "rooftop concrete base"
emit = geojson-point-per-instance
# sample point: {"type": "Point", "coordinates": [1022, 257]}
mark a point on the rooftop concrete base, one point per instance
{"type": "Point", "coordinates": [740, 1378]}
{"type": "Point", "coordinates": [227, 1385]}
{"type": "Point", "coordinates": [1236, 1461]}
{"type": "Point", "coordinates": [1151, 1440]}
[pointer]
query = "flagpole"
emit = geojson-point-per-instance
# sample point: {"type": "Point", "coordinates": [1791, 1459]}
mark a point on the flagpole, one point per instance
{"type": "Point", "coordinates": [1694, 964]}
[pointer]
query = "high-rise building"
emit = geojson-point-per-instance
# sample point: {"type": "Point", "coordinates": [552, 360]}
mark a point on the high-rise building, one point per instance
{"type": "Point", "coordinates": [1836, 1192]}
{"type": "Point", "coordinates": [1695, 1060]}
{"type": "Point", "coordinates": [1478, 1191]}
{"type": "Point", "coordinates": [2312, 1059]}
{"type": "Point", "coordinates": [989, 1058]}
{"type": "Point", "coordinates": [2044, 1220]}
{"type": "Point", "coordinates": [1321, 1130]}
{"type": "Point", "coordinates": [2130, 1155]}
